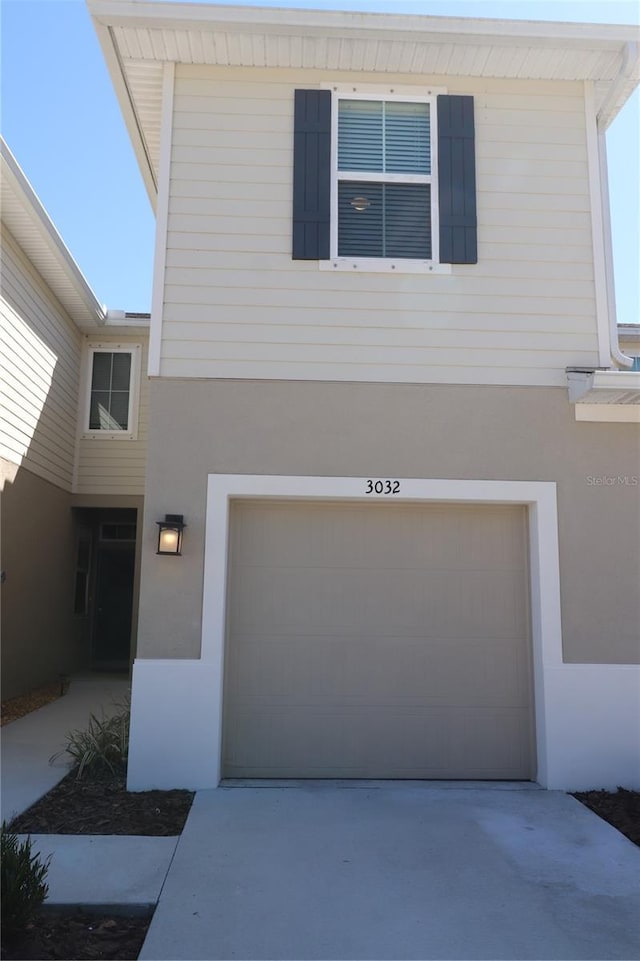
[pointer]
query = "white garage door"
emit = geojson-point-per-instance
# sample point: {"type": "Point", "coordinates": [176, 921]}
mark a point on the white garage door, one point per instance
{"type": "Point", "coordinates": [377, 641]}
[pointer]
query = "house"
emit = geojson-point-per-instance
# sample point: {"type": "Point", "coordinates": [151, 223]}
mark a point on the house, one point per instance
{"type": "Point", "coordinates": [386, 395]}
{"type": "Point", "coordinates": [72, 455]}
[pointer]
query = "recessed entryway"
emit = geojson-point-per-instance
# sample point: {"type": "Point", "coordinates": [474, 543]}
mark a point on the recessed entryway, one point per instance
{"type": "Point", "coordinates": [104, 585]}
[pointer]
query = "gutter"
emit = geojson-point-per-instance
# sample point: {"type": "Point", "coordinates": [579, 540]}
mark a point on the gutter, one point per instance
{"type": "Point", "coordinates": [588, 386]}
{"type": "Point", "coordinates": [622, 360]}
{"type": "Point", "coordinates": [629, 66]}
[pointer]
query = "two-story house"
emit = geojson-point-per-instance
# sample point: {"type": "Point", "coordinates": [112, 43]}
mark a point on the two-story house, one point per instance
{"type": "Point", "coordinates": [386, 396]}
{"type": "Point", "coordinates": [73, 424]}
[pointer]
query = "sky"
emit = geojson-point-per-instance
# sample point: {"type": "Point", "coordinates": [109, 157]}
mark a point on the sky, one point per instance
{"type": "Point", "coordinates": [60, 117]}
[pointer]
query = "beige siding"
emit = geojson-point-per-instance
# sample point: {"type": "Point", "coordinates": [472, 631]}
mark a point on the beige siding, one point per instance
{"type": "Point", "coordinates": [39, 370]}
{"type": "Point", "coordinates": [108, 466]}
{"type": "Point", "coordinates": [236, 305]}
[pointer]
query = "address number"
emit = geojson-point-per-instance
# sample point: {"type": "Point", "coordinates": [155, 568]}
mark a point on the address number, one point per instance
{"type": "Point", "coordinates": [383, 487]}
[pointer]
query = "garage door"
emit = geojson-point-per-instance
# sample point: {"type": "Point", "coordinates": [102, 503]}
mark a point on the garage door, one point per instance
{"type": "Point", "coordinates": [377, 641]}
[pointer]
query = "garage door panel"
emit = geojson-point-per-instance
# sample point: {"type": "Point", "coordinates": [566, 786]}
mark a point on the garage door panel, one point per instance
{"type": "Point", "coordinates": [289, 600]}
{"type": "Point", "coordinates": [436, 743]}
{"type": "Point", "coordinates": [340, 535]}
{"type": "Point", "coordinates": [329, 669]}
{"type": "Point", "coordinates": [377, 641]}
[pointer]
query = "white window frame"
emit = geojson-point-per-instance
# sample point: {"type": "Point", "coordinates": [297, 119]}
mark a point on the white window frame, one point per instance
{"type": "Point", "coordinates": [135, 350]}
{"type": "Point", "coordinates": [403, 94]}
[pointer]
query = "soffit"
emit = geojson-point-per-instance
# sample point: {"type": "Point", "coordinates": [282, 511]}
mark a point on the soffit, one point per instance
{"type": "Point", "coordinates": [138, 37]}
{"type": "Point", "coordinates": [28, 222]}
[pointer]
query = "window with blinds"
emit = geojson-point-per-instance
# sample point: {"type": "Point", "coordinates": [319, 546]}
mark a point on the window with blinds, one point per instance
{"type": "Point", "coordinates": [384, 179]}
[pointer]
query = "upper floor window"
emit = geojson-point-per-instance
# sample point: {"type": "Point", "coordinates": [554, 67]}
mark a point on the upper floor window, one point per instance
{"type": "Point", "coordinates": [384, 175]}
{"type": "Point", "coordinates": [384, 178]}
{"type": "Point", "coordinates": [112, 395]}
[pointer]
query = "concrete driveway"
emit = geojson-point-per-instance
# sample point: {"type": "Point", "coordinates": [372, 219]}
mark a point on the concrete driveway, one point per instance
{"type": "Point", "coordinates": [397, 870]}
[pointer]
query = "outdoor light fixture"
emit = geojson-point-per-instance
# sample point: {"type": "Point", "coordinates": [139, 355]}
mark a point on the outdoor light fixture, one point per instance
{"type": "Point", "coordinates": [170, 534]}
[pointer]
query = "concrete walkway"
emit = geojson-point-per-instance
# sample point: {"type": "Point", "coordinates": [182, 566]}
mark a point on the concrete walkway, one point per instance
{"type": "Point", "coordinates": [85, 869]}
{"type": "Point", "coordinates": [396, 871]}
{"type": "Point", "coordinates": [28, 744]}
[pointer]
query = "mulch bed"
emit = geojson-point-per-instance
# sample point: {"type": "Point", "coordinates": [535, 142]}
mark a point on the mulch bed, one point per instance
{"type": "Point", "coordinates": [102, 805]}
{"type": "Point", "coordinates": [621, 809]}
{"type": "Point", "coordinates": [16, 707]}
{"type": "Point", "coordinates": [96, 804]}
{"type": "Point", "coordinates": [78, 936]}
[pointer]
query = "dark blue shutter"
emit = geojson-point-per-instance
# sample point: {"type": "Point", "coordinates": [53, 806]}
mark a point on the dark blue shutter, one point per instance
{"type": "Point", "coordinates": [457, 181]}
{"type": "Point", "coordinates": [311, 174]}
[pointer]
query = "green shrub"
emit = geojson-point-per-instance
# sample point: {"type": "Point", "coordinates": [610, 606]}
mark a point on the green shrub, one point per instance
{"type": "Point", "coordinates": [24, 887]}
{"type": "Point", "coordinates": [102, 746]}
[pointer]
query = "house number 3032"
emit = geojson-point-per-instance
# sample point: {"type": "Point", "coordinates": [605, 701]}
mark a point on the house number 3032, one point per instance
{"type": "Point", "coordinates": [382, 487]}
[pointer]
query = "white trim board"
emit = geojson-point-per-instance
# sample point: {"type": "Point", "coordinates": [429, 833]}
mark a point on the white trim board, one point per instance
{"type": "Point", "coordinates": [162, 221]}
{"type": "Point", "coordinates": [586, 714]}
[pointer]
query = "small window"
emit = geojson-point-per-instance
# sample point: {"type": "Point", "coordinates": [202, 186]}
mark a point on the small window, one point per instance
{"type": "Point", "coordinates": [113, 377]}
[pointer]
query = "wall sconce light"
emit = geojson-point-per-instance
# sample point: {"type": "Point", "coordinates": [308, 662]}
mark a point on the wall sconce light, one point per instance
{"type": "Point", "coordinates": [170, 534]}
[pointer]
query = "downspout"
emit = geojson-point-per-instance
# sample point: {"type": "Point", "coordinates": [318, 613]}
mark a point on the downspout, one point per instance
{"type": "Point", "coordinates": [622, 360]}
{"type": "Point", "coordinates": [629, 62]}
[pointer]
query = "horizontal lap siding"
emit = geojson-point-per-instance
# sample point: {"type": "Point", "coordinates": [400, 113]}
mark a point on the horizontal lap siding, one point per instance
{"type": "Point", "coordinates": [108, 466]}
{"type": "Point", "coordinates": [236, 305]}
{"type": "Point", "coordinates": [40, 351]}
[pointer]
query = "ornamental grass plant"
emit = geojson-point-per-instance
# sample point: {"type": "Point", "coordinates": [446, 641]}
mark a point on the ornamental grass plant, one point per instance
{"type": "Point", "coordinates": [101, 747]}
{"type": "Point", "coordinates": [23, 882]}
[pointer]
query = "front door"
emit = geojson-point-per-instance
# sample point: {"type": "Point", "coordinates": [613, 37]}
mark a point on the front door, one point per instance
{"type": "Point", "coordinates": [113, 606]}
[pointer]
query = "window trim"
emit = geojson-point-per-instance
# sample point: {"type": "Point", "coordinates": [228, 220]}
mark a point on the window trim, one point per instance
{"type": "Point", "coordinates": [135, 350]}
{"type": "Point", "coordinates": [403, 94]}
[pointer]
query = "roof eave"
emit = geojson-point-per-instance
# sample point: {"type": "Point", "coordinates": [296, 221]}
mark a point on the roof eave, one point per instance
{"type": "Point", "coordinates": [191, 15]}
{"type": "Point", "coordinates": [94, 313]}
{"type": "Point", "coordinates": [117, 74]}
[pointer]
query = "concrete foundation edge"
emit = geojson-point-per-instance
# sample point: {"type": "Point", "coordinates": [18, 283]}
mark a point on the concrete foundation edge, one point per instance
{"type": "Point", "coordinates": [591, 730]}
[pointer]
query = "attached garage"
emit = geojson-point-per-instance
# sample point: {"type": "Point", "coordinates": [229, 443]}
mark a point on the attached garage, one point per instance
{"type": "Point", "coordinates": [378, 640]}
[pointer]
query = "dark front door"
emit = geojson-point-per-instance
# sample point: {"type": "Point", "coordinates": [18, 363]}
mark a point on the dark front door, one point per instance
{"type": "Point", "coordinates": [113, 607]}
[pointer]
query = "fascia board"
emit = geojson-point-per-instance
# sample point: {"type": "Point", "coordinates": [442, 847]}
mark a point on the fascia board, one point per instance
{"type": "Point", "coordinates": [117, 74]}
{"type": "Point", "coordinates": [13, 176]}
{"type": "Point", "coordinates": [623, 380]}
{"type": "Point", "coordinates": [192, 15]}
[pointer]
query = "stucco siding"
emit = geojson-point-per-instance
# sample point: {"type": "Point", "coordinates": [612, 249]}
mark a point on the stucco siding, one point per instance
{"type": "Point", "coordinates": [39, 369]}
{"type": "Point", "coordinates": [111, 466]}
{"type": "Point", "coordinates": [236, 305]}
{"type": "Point", "coordinates": [399, 431]}
{"type": "Point", "coordinates": [40, 639]}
